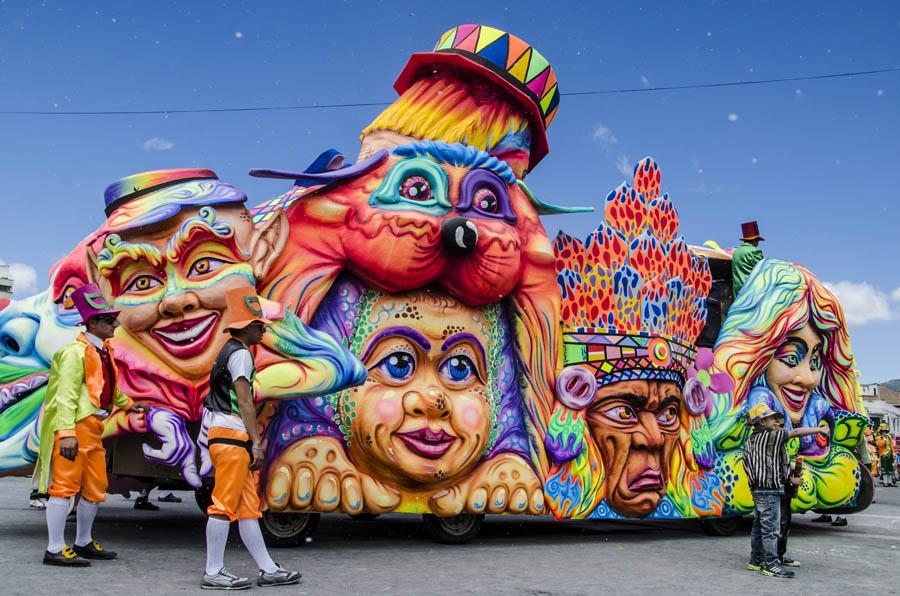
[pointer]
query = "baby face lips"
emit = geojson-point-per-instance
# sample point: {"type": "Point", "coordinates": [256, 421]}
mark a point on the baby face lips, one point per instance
{"type": "Point", "coordinates": [188, 337]}
{"type": "Point", "coordinates": [795, 398]}
{"type": "Point", "coordinates": [427, 443]}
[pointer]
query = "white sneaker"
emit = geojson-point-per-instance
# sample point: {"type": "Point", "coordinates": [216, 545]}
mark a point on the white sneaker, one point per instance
{"type": "Point", "coordinates": [279, 577]}
{"type": "Point", "coordinates": [37, 503]}
{"type": "Point", "coordinates": [224, 580]}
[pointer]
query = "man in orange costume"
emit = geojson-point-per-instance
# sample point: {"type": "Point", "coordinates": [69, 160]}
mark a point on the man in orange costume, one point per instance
{"type": "Point", "coordinates": [81, 393]}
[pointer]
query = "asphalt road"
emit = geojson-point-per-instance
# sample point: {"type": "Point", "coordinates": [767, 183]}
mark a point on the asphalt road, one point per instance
{"type": "Point", "coordinates": [164, 552]}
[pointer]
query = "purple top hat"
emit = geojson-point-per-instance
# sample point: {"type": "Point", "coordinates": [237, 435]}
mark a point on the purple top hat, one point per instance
{"type": "Point", "coordinates": [91, 302]}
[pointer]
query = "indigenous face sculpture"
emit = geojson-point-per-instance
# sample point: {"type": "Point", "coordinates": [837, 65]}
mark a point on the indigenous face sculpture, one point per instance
{"type": "Point", "coordinates": [423, 416]}
{"type": "Point", "coordinates": [796, 371]}
{"type": "Point", "coordinates": [169, 280]}
{"type": "Point", "coordinates": [635, 425]}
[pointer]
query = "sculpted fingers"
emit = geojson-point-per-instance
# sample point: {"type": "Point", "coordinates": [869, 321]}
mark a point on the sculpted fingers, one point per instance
{"type": "Point", "coordinates": [518, 502]}
{"type": "Point", "coordinates": [497, 503]}
{"type": "Point", "coordinates": [327, 493]}
{"type": "Point", "coordinates": [351, 495]}
{"type": "Point", "coordinates": [304, 481]}
{"type": "Point", "coordinates": [536, 505]}
{"type": "Point", "coordinates": [478, 500]}
{"type": "Point", "coordinates": [448, 502]}
{"type": "Point", "coordinates": [378, 497]}
{"type": "Point", "coordinates": [278, 490]}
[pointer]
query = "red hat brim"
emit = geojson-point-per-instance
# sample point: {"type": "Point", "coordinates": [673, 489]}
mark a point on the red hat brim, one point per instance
{"type": "Point", "coordinates": [422, 60]}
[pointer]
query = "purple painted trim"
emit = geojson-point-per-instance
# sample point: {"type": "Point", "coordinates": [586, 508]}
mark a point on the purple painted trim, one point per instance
{"type": "Point", "coordinates": [461, 337]}
{"type": "Point", "coordinates": [477, 179]}
{"type": "Point", "coordinates": [410, 334]}
{"type": "Point", "coordinates": [328, 177]}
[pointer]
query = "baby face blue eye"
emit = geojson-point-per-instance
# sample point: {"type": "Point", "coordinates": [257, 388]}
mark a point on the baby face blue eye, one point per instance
{"type": "Point", "coordinates": [458, 369]}
{"type": "Point", "coordinates": [397, 366]}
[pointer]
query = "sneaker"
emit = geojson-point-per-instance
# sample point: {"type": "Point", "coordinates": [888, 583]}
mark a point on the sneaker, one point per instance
{"type": "Point", "coordinates": [840, 521]}
{"type": "Point", "coordinates": [169, 498]}
{"type": "Point", "coordinates": [144, 504]}
{"type": "Point", "coordinates": [279, 577]}
{"type": "Point", "coordinates": [224, 580]}
{"type": "Point", "coordinates": [754, 565]}
{"type": "Point", "coordinates": [39, 503]}
{"type": "Point", "coordinates": [822, 519]}
{"type": "Point", "coordinates": [65, 558]}
{"type": "Point", "coordinates": [775, 570]}
{"type": "Point", "coordinates": [789, 562]}
{"type": "Point", "coordinates": [93, 550]}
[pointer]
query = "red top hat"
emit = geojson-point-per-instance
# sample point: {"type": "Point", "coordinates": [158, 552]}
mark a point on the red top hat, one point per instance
{"type": "Point", "coordinates": [750, 231]}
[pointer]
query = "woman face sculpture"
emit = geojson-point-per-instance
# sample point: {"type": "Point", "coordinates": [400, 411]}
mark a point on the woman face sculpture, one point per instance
{"type": "Point", "coordinates": [635, 425]}
{"type": "Point", "coordinates": [423, 416]}
{"type": "Point", "coordinates": [796, 370]}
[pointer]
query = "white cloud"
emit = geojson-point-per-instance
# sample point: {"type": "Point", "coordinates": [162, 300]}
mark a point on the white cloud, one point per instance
{"type": "Point", "coordinates": [24, 279]}
{"type": "Point", "coordinates": [862, 302]}
{"type": "Point", "coordinates": [158, 144]}
{"type": "Point", "coordinates": [733, 117]}
{"type": "Point", "coordinates": [624, 165]}
{"type": "Point", "coordinates": [238, 35]}
{"type": "Point", "coordinates": [645, 81]}
{"type": "Point", "coordinates": [605, 137]}
{"type": "Point", "coordinates": [895, 295]}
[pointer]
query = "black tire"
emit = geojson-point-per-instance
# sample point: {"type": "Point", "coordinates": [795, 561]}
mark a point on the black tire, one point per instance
{"type": "Point", "coordinates": [203, 495]}
{"type": "Point", "coordinates": [458, 529]}
{"type": "Point", "coordinates": [364, 517]}
{"type": "Point", "coordinates": [720, 526]}
{"type": "Point", "coordinates": [288, 529]}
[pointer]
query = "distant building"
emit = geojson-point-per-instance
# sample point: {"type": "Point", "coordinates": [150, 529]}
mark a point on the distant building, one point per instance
{"type": "Point", "coordinates": [881, 411]}
{"type": "Point", "coordinates": [6, 282]}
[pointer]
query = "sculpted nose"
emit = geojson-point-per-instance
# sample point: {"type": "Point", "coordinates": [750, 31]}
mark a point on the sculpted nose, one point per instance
{"type": "Point", "coordinates": [429, 402]}
{"type": "Point", "coordinates": [459, 236]}
{"type": "Point", "coordinates": [649, 435]}
{"type": "Point", "coordinates": [179, 303]}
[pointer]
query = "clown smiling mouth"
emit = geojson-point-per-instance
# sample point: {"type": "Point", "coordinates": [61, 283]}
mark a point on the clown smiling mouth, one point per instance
{"type": "Point", "coordinates": [431, 444]}
{"type": "Point", "coordinates": [188, 337]}
{"type": "Point", "coordinates": [794, 398]}
{"type": "Point", "coordinates": [649, 479]}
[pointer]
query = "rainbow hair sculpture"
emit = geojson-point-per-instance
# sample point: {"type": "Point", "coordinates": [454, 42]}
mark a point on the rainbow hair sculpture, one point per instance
{"type": "Point", "coordinates": [779, 298]}
{"type": "Point", "coordinates": [633, 304]}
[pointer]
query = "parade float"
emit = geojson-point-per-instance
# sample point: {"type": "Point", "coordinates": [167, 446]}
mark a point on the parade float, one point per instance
{"type": "Point", "coordinates": [433, 351]}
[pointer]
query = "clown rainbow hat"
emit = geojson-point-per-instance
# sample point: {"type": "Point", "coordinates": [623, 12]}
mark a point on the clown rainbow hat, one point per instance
{"type": "Point", "coordinates": [633, 296]}
{"type": "Point", "coordinates": [504, 59]}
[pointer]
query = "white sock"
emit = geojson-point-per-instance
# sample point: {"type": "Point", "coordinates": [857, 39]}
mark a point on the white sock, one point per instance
{"type": "Point", "coordinates": [252, 537]}
{"type": "Point", "coordinates": [57, 510]}
{"type": "Point", "coordinates": [216, 539]}
{"type": "Point", "coordinates": [84, 521]}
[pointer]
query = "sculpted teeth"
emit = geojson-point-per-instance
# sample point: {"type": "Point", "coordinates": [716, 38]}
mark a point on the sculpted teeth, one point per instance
{"type": "Point", "coordinates": [188, 334]}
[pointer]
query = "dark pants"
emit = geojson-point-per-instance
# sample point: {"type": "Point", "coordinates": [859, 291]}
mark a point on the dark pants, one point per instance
{"type": "Point", "coordinates": [766, 526]}
{"type": "Point", "coordinates": [785, 524]}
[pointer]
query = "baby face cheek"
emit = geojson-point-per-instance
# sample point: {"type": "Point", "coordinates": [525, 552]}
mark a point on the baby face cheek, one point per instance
{"type": "Point", "coordinates": [472, 417]}
{"type": "Point", "coordinates": [388, 409]}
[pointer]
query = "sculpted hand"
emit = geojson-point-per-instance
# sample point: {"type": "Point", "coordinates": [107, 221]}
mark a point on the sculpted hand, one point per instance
{"type": "Point", "coordinates": [68, 448]}
{"type": "Point", "coordinates": [177, 447]}
{"type": "Point", "coordinates": [316, 473]}
{"type": "Point", "coordinates": [206, 466]}
{"type": "Point", "coordinates": [505, 483]}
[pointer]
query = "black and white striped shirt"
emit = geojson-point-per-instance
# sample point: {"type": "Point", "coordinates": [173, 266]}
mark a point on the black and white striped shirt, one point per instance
{"type": "Point", "coordinates": [766, 460]}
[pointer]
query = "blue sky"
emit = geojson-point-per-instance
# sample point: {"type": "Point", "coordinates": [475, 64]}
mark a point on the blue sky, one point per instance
{"type": "Point", "coordinates": [813, 161]}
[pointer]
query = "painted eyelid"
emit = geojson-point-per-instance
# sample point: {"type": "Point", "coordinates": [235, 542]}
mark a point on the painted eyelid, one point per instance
{"type": "Point", "coordinates": [472, 355]}
{"type": "Point", "coordinates": [380, 356]}
{"type": "Point", "coordinates": [387, 195]}
{"type": "Point", "coordinates": [133, 280]}
{"type": "Point", "coordinates": [476, 373]}
{"type": "Point", "coordinates": [216, 260]}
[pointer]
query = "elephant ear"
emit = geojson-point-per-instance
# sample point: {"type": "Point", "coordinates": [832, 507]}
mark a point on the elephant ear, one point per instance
{"type": "Point", "coordinates": [849, 428]}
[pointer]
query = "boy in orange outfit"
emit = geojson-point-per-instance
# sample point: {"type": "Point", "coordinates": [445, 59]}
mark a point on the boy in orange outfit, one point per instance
{"type": "Point", "coordinates": [80, 394]}
{"type": "Point", "coordinates": [236, 450]}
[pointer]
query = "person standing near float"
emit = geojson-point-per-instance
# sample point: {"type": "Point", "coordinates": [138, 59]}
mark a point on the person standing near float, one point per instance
{"type": "Point", "coordinates": [236, 450]}
{"type": "Point", "coordinates": [746, 256]}
{"type": "Point", "coordinates": [81, 392]}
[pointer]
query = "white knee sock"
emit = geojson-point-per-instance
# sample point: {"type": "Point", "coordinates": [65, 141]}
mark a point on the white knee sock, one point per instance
{"type": "Point", "coordinates": [84, 519]}
{"type": "Point", "coordinates": [57, 510]}
{"type": "Point", "coordinates": [216, 539]}
{"type": "Point", "coordinates": [252, 537]}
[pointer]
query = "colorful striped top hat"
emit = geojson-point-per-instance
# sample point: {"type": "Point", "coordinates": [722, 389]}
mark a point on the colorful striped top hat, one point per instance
{"type": "Point", "coordinates": [150, 197]}
{"type": "Point", "coordinates": [500, 57]}
{"type": "Point", "coordinates": [633, 295]}
{"type": "Point", "coordinates": [91, 302]}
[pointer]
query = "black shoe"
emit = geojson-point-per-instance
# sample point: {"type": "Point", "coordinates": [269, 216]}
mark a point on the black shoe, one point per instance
{"type": "Point", "coordinates": [65, 558]}
{"type": "Point", "coordinates": [169, 498]}
{"type": "Point", "coordinates": [776, 570]}
{"type": "Point", "coordinates": [93, 550]}
{"type": "Point", "coordinates": [279, 577]}
{"type": "Point", "coordinates": [144, 504]}
{"type": "Point", "coordinates": [822, 519]}
{"type": "Point", "coordinates": [789, 562]}
{"type": "Point", "coordinates": [840, 521]}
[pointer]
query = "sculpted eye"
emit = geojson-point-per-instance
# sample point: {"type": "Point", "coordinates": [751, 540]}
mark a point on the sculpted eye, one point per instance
{"type": "Point", "coordinates": [621, 414]}
{"type": "Point", "coordinates": [815, 362]}
{"type": "Point", "coordinates": [458, 369]}
{"type": "Point", "coordinates": [143, 283]}
{"type": "Point", "coordinates": [668, 416]}
{"type": "Point", "coordinates": [398, 366]}
{"type": "Point", "coordinates": [416, 188]}
{"type": "Point", "coordinates": [486, 200]}
{"type": "Point", "coordinates": [205, 265]}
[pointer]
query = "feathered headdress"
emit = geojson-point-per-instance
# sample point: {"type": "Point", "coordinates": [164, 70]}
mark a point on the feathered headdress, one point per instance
{"type": "Point", "coordinates": [633, 295]}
